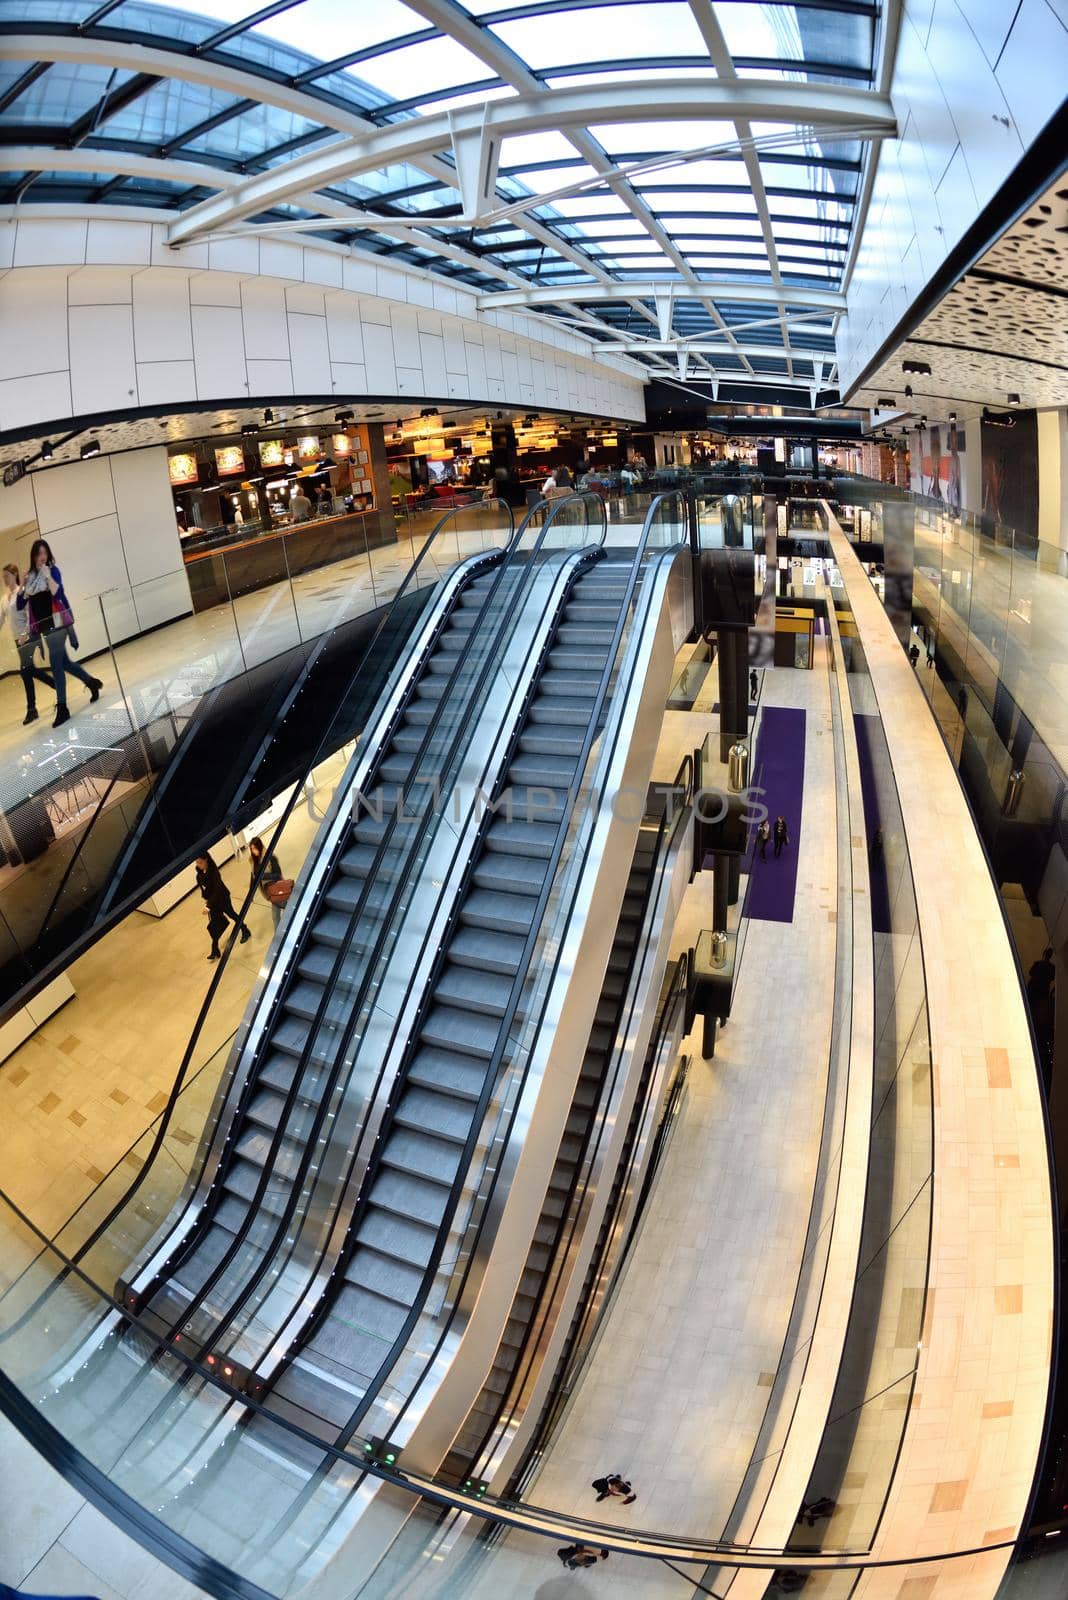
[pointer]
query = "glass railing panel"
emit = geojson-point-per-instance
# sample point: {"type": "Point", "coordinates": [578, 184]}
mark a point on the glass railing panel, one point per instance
{"type": "Point", "coordinates": [332, 581]}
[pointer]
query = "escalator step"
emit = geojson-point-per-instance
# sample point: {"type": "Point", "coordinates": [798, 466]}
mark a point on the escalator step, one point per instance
{"type": "Point", "coordinates": [292, 1034]}
{"type": "Point", "coordinates": [317, 964]}
{"type": "Point", "coordinates": [384, 1275]}
{"type": "Point", "coordinates": [544, 739]}
{"type": "Point", "coordinates": [242, 1178]}
{"type": "Point", "coordinates": [345, 894]}
{"type": "Point", "coordinates": [357, 1311]}
{"type": "Point", "coordinates": [305, 998]}
{"type": "Point", "coordinates": [562, 710]}
{"type": "Point", "coordinates": [521, 838]}
{"type": "Point", "coordinates": [568, 684]}
{"type": "Point", "coordinates": [488, 952]}
{"type": "Point", "coordinates": [267, 1109]}
{"type": "Point", "coordinates": [409, 1196]}
{"type": "Point", "coordinates": [279, 1070]}
{"type": "Point", "coordinates": [509, 874]}
{"type": "Point", "coordinates": [254, 1145]}
{"type": "Point", "coordinates": [360, 859]}
{"type": "Point", "coordinates": [465, 1031]}
{"type": "Point", "coordinates": [448, 1072]}
{"type": "Point", "coordinates": [504, 913]}
{"type": "Point", "coordinates": [487, 992]}
{"type": "Point", "coordinates": [427, 1111]}
{"type": "Point", "coordinates": [332, 929]}
{"type": "Point", "coordinates": [538, 770]}
{"type": "Point", "coordinates": [534, 805]}
{"type": "Point", "coordinates": [587, 635]}
{"type": "Point", "coordinates": [421, 1156]}
{"type": "Point", "coordinates": [408, 1241]}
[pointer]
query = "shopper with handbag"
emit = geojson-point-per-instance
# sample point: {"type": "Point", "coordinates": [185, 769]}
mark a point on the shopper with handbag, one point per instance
{"type": "Point", "coordinates": [274, 888]}
{"type": "Point", "coordinates": [51, 619]}
{"type": "Point", "coordinates": [22, 646]}
{"type": "Point", "coordinates": [218, 906]}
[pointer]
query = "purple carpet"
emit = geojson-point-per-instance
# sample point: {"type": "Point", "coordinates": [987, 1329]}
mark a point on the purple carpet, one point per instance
{"type": "Point", "coordinates": [873, 821]}
{"type": "Point", "coordinates": [779, 769]}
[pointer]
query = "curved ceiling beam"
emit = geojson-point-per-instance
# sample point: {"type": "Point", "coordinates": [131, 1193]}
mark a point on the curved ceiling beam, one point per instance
{"type": "Point", "coordinates": [806, 104]}
{"type": "Point", "coordinates": [761, 294]}
{"type": "Point", "coordinates": [114, 164]}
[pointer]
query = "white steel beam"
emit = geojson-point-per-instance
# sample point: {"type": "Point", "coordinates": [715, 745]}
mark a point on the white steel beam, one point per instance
{"type": "Point", "coordinates": [740, 293]}
{"type": "Point", "coordinates": [116, 164]}
{"type": "Point", "coordinates": [710, 347]}
{"type": "Point", "coordinates": [634, 100]}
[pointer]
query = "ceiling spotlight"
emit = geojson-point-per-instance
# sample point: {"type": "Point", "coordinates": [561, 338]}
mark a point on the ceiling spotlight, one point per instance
{"type": "Point", "coordinates": [952, 416]}
{"type": "Point", "coordinates": [922, 369]}
{"type": "Point", "coordinates": [1013, 399]}
{"type": "Point", "coordinates": [249, 428]}
{"type": "Point", "coordinates": [884, 404]}
{"type": "Point", "coordinates": [90, 448]}
{"type": "Point", "coordinates": [344, 416]}
{"type": "Point", "coordinates": [47, 450]}
{"type": "Point", "coordinates": [268, 415]}
{"type": "Point", "coordinates": [398, 423]}
{"type": "Point", "coordinates": [429, 411]}
{"type": "Point", "coordinates": [908, 391]}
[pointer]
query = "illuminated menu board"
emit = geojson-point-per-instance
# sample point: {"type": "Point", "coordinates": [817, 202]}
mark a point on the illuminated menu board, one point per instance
{"type": "Point", "coordinates": [272, 453]}
{"type": "Point", "coordinates": [229, 460]}
{"type": "Point", "coordinates": [182, 469]}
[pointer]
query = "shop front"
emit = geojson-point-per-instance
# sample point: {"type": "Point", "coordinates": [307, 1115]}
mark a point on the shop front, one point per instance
{"type": "Point", "coordinates": [273, 503]}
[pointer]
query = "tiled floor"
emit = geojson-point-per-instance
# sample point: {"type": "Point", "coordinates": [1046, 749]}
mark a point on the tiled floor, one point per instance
{"type": "Point", "coordinates": [88, 1083]}
{"type": "Point", "coordinates": [53, 1542]}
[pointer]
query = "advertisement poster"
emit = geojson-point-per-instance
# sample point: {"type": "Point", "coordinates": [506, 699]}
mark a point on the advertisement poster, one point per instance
{"type": "Point", "coordinates": [1010, 473]}
{"type": "Point", "coordinates": [230, 459]}
{"type": "Point", "coordinates": [272, 453]}
{"type": "Point", "coordinates": [942, 448]}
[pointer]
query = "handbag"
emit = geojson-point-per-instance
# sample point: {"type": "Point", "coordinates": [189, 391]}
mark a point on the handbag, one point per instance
{"type": "Point", "coordinates": [278, 891]}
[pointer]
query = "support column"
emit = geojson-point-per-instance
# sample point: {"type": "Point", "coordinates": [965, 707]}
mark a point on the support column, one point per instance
{"type": "Point", "coordinates": [720, 892]}
{"type": "Point", "coordinates": [733, 656]}
{"type": "Point", "coordinates": [899, 555]}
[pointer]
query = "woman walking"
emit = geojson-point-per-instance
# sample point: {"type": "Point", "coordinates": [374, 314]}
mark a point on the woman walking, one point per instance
{"type": "Point", "coordinates": [220, 908]}
{"type": "Point", "coordinates": [272, 873]}
{"type": "Point", "coordinates": [13, 618]}
{"type": "Point", "coordinates": [50, 617]}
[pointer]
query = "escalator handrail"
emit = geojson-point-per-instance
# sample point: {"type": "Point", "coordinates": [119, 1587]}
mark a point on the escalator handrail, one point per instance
{"type": "Point", "coordinates": [568, 1222]}
{"type": "Point", "coordinates": [285, 1217]}
{"type": "Point", "coordinates": [176, 1087]}
{"type": "Point", "coordinates": [495, 1062]}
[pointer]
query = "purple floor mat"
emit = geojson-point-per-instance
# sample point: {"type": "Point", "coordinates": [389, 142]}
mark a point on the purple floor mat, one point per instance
{"type": "Point", "coordinates": [779, 768]}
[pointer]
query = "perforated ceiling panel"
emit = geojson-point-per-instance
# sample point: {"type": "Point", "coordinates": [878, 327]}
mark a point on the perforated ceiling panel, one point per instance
{"type": "Point", "coordinates": [1003, 329]}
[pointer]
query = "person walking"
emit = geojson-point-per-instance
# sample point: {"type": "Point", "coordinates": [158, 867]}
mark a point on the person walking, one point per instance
{"type": "Point", "coordinates": [23, 648]}
{"type": "Point", "coordinates": [583, 1556]}
{"type": "Point", "coordinates": [219, 906]}
{"type": "Point", "coordinates": [763, 835]}
{"type": "Point", "coordinates": [914, 654]}
{"type": "Point", "coordinates": [50, 617]}
{"type": "Point", "coordinates": [614, 1486]}
{"type": "Point", "coordinates": [753, 685]}
{"type": "Point", "coordinates": [271, 873]}
{"type": "Point", "coordinates": [782, 837]}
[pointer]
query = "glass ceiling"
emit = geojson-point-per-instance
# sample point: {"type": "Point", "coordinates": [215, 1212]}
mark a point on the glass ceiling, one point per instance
{"type": "Point", "coordinates": [706, 208]}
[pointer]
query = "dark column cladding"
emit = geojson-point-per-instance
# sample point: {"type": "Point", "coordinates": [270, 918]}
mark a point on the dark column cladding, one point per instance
{"type": "Point", "coordinates": [733, 657]}
{"type": "Point", "coordinates": [899, 554]}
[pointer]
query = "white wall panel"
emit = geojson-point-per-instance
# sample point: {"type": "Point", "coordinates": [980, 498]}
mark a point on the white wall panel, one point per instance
{"type": "Point", "coordinates": [974, 83]}
{"type": "Point", "coordinates": [263, 313]}
{"type": "Point", "coordinates": [199, 331]}
{"type": "Point", "coordinates": [219, 352]}
{"type": "Point", "coordinates": [99, 286]}
{"type": "Point", "coordinates": [214, 289]}
{"type": "Point", "coordinates": [7, 244]}
{"type": "Point", "coordinates": [1033, 67]}
{"type": "Point", "coordinates": [102, 371]}
{"type": "Point", "coordinates": [166, 382]}
{"type": "Point", "coordinates": [66, 495]}
{"type": "Point", "coordinates": [163, 326]}
{"type": "Point", "coordinates": [115, 243]}
{"type": "Point", "coordinates": [42, 241]}
{"type": "Point", "coordinates": [309, 354]}
{"type": "Point", "coordinates": [144, 506]}
{"type": "Point", "coordinates": [270, 377]}
{"type": "Point", "coordinates": [233, 255]}
{"type": "Point", "coordinates": [33, 323]}
{"type": "Point", "coordinates": [344, 329]}
{"type": "Point", "coordinates": [44, 394]}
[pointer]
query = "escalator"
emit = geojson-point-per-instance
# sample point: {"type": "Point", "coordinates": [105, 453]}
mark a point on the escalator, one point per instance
{"type": "Point", "coordinates": [665, 821]}
{"type": "Point", "coordinates": [408, 1194]}
{"type": "Point", "coordinates": [345, 1169]}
